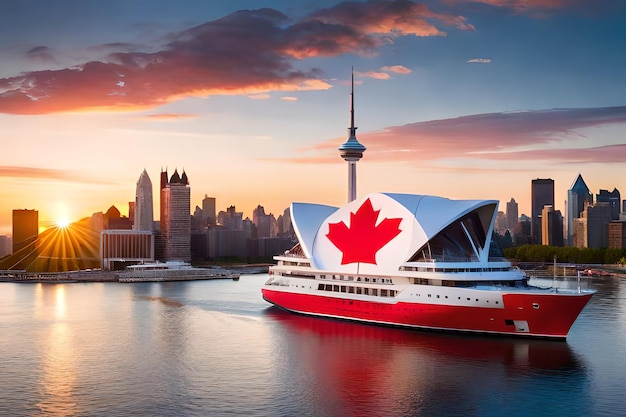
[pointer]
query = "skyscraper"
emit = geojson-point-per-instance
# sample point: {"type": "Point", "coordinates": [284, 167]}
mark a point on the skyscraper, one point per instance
{"type": "Point", "coordinates": [551, 227]}
{"type": "Point", "coordinates": [542, 194]}
{"type": "Point", "coordinates": [592, 226]}
{"type": "Point", "coordinates": [208, 211]}
{"type": "Point", "coordinates": [613, 200]}
{"type": "Point", "coordinates": [144, 214]}
{"type": "Point", "coordinates": [577, 196]}
{"type": "Point", "coordinates": [25, 228]}
{"type": "Point", "coordinates": [511, 215]}
{"type": "Point", "coordinates": [176, 217]}
{"type": "Point", "coordinates": [352, 151]}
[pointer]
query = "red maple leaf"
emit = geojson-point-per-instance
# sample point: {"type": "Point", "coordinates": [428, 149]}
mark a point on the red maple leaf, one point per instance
{"type": "Point", "coordinates": [363, 239]}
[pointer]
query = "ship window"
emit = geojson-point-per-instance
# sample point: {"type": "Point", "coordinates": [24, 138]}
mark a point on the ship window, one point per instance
{"type": "Point", "coordinates": [336, 288]}
{"type": "Point", "coordinates": [509, 322]}
{"type": "Point", "coordinates": [383, 293]}
{"type": "Point", "coordinates": [343, 288]}
{"type": "Point", "coordinates": [320, 286]}
{"type": "Point", "coordinates": [351, 290]}
{"type": "Point", "coordinates": [374, 291]}
{"type": "Point", "coordinates": [359, 290]}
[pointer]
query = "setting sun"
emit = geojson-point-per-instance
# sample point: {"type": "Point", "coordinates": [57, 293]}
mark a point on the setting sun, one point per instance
{"type": "Point", "coordinates": [63, 222]}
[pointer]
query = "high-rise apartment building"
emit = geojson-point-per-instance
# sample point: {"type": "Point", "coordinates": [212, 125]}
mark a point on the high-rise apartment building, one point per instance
{"type": "Point", "coordinates": [25, 228]}
{"type": "Point", "coordinates": [577, 196]}
{"type": "Point", "coordinates": [512, 215]}
{"type": "Point", "coordinates": [176, 217]}
{"type": "Point", "coordinates": [144, 213]}
{"type": "Point", "coordinates": [542, 194]}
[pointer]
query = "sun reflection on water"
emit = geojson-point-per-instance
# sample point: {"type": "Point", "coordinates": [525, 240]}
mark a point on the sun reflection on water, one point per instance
{"type": "Point", "coordinates": [57, 379]}
{"type": "Point", "coordinates": [59, 373]}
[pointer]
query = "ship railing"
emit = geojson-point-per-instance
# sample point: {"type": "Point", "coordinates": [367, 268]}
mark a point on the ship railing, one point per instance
{"type": "Point", "coordinates": [445, 258]}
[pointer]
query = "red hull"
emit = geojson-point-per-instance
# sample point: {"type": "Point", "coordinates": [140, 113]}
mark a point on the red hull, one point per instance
{"type": "Point", "coordinates": [553, 317]}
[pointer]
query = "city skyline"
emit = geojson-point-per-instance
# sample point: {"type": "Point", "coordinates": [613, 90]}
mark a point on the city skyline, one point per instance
{"type": "Point", "coordinates": [467, 99]}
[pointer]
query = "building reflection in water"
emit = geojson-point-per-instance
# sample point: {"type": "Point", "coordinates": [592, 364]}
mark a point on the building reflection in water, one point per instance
{"type": "Point", "coordinates": [351, 369]}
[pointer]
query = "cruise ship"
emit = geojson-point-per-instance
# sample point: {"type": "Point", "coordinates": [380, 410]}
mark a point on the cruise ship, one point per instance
{"type": "Point", "coordinates": [414, 261]}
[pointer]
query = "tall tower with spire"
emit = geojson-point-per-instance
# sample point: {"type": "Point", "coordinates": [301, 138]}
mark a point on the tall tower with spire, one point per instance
{"type": "Point", "coordinates": [351, 151]}
{"type": "Point", "coordinates": [144, 213]}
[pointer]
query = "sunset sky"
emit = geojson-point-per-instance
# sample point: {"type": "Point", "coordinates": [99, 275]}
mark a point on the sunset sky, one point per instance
{"type": "Point", "coordinates": [459, 98]}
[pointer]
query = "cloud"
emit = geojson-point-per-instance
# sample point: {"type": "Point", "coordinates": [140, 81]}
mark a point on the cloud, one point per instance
{"type": "Point", "coordinates": [169, 116]}
{"type": "Point", "coordinates": [377, 75]}
{"type": "Point", "coordinates": [35, 173]}
{"type": "Point", "coordinates": [289, 98]}
{"type": "Point", "coordinates": [542, 6]}
{"type": "Point", "coordinates": [384, 72]}
{"type": "Point", "coordinates": [396, 69]}
{"type": "Point", "coordinates": [248, 52]}
{"type": "Point", "coordinates": [41, 53]}
{"type": "Point", "coordinates": [479, 61]}
{"type": "Point", "coordinates": [521, 136]}
{"type": "Point", "coordinates": [262, 96]}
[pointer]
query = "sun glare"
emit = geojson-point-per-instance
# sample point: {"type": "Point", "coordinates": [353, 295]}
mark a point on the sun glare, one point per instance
{"type": "Point", "coordinates": [63, 222]}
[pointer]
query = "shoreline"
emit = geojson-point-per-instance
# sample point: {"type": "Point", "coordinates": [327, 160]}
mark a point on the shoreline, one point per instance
{"type": "Point", "coordinates": [232, 272]}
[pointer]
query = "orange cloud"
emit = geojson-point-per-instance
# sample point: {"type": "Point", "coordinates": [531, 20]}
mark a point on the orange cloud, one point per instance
{"type": "Point", "coordinates": [248, 52]}
{"type": "Point", "coordinates": [397, 69]}
{"type": "Point", "coordinates": [35, 173]}
{"type": "Point", "coordinates": [529, 135]}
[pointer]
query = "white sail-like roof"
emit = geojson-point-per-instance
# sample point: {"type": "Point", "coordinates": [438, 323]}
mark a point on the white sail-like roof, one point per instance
{"type": "Point", "coordinates": [378, 232]}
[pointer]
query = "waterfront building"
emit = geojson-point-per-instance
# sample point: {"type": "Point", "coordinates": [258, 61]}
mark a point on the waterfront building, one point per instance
{"type": "Point", "coordinates": [542, 194]}
{"type": "Point", "coordinates": [25, 228]}
{"type": "Point", "coordinates": [176, 217]}
{"type": "Point", "coordinates": [512, 216]}
{"type": "Point", "coordinates": [551, 227]}
{"type": "Point", "coordinates": [144, 212]}
{"type": "Point", "coordinates": [120, 248]}
{"type": "Point", "coordinates": [577, 196]}
{"type": "Point", "coordinates": [612, 199]}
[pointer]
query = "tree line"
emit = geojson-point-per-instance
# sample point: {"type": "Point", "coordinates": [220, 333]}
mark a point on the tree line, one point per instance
{"type": "Point", "coordinates": [571, 254]}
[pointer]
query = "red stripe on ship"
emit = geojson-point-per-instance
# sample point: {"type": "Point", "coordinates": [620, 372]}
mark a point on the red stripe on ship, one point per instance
{"type": "Point", "coordinates": [553, 317]}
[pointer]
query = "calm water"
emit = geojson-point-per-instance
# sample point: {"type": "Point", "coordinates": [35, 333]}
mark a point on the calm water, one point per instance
{"type": "Point", "coordinates": [215, 348]}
